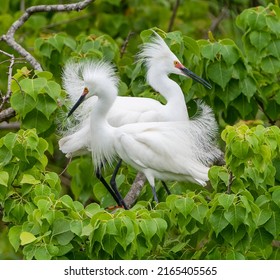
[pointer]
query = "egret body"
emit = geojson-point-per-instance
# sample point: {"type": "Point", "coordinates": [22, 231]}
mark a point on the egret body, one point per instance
{"type": "Point", "coordinates": [162, 150]}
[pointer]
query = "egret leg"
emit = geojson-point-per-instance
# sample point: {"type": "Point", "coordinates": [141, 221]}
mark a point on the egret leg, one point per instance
{"type": "Point", "coordinates": [166, 188]}
{"type": "Point", "coordinates": [106, 185]}
{"type": "Point", "coordinates": [154, 193]}
{"type": "Point", "coordinates": [113, 184]}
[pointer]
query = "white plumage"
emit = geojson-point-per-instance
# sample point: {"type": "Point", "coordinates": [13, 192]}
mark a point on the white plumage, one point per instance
{"type": "Point", "coordinates": [163, 150]}
{"type": "Point", "coordinates": [160, 62]}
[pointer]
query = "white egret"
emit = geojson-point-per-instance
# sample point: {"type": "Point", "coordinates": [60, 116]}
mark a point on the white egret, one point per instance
{"type": "Point", "coordinates": [163, 150]}
{"type": "Point", "coordinates": [161, 62]}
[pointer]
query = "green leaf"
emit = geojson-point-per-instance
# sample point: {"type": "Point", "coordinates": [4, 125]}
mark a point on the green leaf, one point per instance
{"type": "Point", "coordinates": [38, 120]}
{"type": "Point", "coordinates": [60, 226]}
{"type": "Point", "coordinates": [64, 238]}
{"type": "Point", "coordinates": [259, 39]}
{"type": "Point", "coordinates": [242, 105]}
{"type": "Point", "coordinates": [44, 205]}
{"type": "Point", "coordinates": [22, 103]}
{"type": "Point", "coordinates": [262, 217]}
{"type": "Point", "coordinates": [76, 227]}
{"type": "Point", "coordinates": [256, 20]}
{"type": "Point", "coordinates": [199, 212]}
{"type": "Point", "coordinates": [10, 140]}
{"type": "Point", "coordinates": [276, 197]}
{"type": "Point", "coordinates": [240, 149]}
{"type": "Point", "coordinates": [235, 216]}
{"type": "Point", "coordinates": [233, 237]}
{"type": "Point", "coordinates": [229, 53]}
{"type": "Point", "coordinates": [161, 227]}
{"type": "Point", "coordinates": [274, 48]}
{"type": "Point", "coordinates": [42, 253]}
{"type": "Point", "coordinates": [231, 92]}
{"type": "Point", "coordinates": [46, 105]}
{"type": "Point", "coordinates": [273, 225]}
{"type": "Point", "coordinates": [234, 255]}
{"type": "Point", "coordinates": [270, 65]}
{"type": "Point", "coordinates": [192, 45]}
{"type": "Point", "coordinates": [4, 178]}
{"type": "Point", "coordinates": [218, 221]}
{"type": "Point", "coordinates": [220, 73]}
{"type": "Point", "coordinates": [26, 238]}
{"type": "Point", "coordinates": [149, 228]}
{"type": "Point", "coordinates": [184, 205]}
{"type": "Point", "coordinates": [29, 179]}
{"type": "Point", "coordinates": [14, 236]}
{"type": "Point", "coordinates": [261, 239]}
{"type": "Point", "coordinates": [53, 89]}
{"type": "Point", "coordinates": [52, 249]}
{"type": "Point", "coordinates": [57, 41]}
{"type": "Point", "coordinates": [33, 86]}
{"type": "Point", "coordinates": [248, 87]}
{"type": "Point", "coordinates": [210, 51]}
{"type": "Point", "coordinates": [44, 74]}
{"type": "Point", "coordinates": [226, 200]}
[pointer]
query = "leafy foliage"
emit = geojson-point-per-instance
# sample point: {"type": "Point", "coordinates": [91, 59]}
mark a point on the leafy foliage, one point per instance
{"type": "Point", "coordinates": [236, 217]}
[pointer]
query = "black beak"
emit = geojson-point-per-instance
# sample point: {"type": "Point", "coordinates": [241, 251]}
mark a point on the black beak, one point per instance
{"type": "Point", "coordinates": [78, 103]}
{"type": "Point", "coordinates": [192, 75]}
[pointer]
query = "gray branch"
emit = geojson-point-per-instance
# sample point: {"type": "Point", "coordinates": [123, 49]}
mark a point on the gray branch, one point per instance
{"type": "Point", "coordinates": [135, 189]}
{"type": "Point", "coordinates": [7, 114]}
{"type": "Point", "coordinates": [10, 76]}
{"type": "Point", "coordinates": [9, 37]}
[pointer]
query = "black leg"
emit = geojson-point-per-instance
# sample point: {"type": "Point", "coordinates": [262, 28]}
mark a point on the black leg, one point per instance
{"type": "Point", "coordinates": [166, 188]}
{"type": "Point", "coordinates": [103, 181]}
{"type": "Point", "coordinates": [113, 184]}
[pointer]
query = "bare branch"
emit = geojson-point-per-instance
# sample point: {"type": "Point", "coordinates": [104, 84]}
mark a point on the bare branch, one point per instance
{"type": "Point", "coordinates": [124, 46]}
{"type": "Point", "coordinates": [10, 74]}
{"type": "Point", "coordinates": [9, 36]}
{"type": "Point", "coordinates": [9, 126]}
{"type": "Point", "coordinates": [135, 189]}
{"type": "Point", "coordinates": [216, 21]}
{"type": "Point", "coordinates": [175, 9]}
{"type": "Point", "coordinates": [7, 114]}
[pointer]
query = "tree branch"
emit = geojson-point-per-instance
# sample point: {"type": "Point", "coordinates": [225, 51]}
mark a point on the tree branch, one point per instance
{"type": "Point", "coordinates": [10, 74]}
{"type": "Point", "coordinates": [216, 21]}
{"type": "Point", "coordinates": [173, 16]}
{"type": "Point", "coordinates": [124, 46]}
{"type": "Point", "coordinates": [9, 36]}
{"type": "Point", "coordinates": [7, 114]}
{"type": "Point", "coordinates": [135, 189]}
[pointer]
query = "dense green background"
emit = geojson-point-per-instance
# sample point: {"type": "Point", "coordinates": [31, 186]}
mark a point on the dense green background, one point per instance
{"type": "Point", "coordinates": [49, 215]}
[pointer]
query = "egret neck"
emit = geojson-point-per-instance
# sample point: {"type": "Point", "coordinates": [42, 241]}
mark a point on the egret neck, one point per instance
{"type": "Point", "coordinates": [175, 107]}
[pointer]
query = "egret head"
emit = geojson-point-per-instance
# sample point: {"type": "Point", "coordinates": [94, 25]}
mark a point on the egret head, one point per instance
{"type": "Point", "coordinates": [157, 56]}
{"type": "Point", "coordinates": [98, 78]}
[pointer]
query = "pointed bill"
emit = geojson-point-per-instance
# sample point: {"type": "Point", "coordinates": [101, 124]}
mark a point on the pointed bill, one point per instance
{"type": "Point", "coordinates": [78, 103]}
{"type": "Point", "coordinates": [196, 78]}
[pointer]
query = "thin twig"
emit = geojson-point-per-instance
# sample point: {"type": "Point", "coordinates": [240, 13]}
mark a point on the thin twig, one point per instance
{"type": "Point", "coordinates": [216, 21]}
{"type": "Point", "coordinates": [9, 37]}
{"type": "Point", "coordinates": [261, 106]}
{"type": "Point", "coordinates": [124, 46]}
{"type": "Point", "coordinates": [173, 16]}
{"type": "Point", "coordinates": [10, 74]}
{"type": "Point", "coordinates": [230, 181]}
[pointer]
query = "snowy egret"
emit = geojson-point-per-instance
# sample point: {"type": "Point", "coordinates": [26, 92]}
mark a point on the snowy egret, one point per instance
{"type": "Point", "coordinates": [161, 62]}
{"type": "Point", "coordinates": [163, 150]}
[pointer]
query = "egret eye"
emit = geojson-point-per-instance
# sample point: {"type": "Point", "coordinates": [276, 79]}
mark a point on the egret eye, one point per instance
{"type": "Point", "coordinates": [176, 63]}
